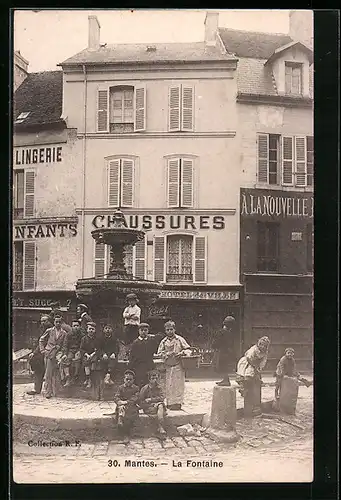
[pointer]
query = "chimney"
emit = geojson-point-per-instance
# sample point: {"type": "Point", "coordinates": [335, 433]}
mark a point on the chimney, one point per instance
{"type": "Point", "coordinates": [211, 28]}
{"type": "Point", "coordinates": [20, 69]}
{"type": "Point", "coordinates": [94, 32]}
{"type": "Point", "coordinates": [301, 26]}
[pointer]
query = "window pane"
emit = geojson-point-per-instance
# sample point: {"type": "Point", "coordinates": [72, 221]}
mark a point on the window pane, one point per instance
{"type": "Point", "coordinates": [273, 141]}
{"type": "Point", "coordinates": [179, 258]}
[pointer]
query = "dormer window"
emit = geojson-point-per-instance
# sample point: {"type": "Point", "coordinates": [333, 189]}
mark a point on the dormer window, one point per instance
{"type": "Point", "coordinates": [293, 78]}
{"type": "Point", "coordinates": [22, 117]}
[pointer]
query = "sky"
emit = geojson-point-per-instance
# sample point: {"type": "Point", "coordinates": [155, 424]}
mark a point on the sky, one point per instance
{"type": "Point", "coordinates": [48, 37]}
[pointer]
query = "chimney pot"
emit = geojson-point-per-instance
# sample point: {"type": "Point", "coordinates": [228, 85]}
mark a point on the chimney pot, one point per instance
{"type": "Point", "coordinates": [211, 28]}
{"type": "Point", "coordinates": [94, 33]}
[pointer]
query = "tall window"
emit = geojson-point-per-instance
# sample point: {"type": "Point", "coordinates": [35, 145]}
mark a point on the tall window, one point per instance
{"type": "Point", "coordinates": [286, 160]}
{"type": "Point", "coordinates": [267, 246]}
{"type": "Point", "coordinates": [310, 247]}
{"type": "Point", "coordinates": [179, 258]}
{"type": "Point", "coordinates": [180, 182]}
{"type": "Point", "coordinates": [19, 194]}
{"type": "Point", "coordinates": [293, 78]}
{"type": "Point", "coordinates": [18, 265]}
{"type": "Point", "coordinates": [134, 259]}
{"type": "Point", "coordinates": [121, 110]}
{"type": "Point", "coordinates": [121, 173]}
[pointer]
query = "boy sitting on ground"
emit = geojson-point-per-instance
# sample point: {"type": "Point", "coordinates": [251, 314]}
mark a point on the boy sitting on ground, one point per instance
{"type": "Point", "coordinates": [287, 367]}
{"type": "Point", "coordinates": [152, 399]}
{"type": "Point", "coordinates": [126, 399]}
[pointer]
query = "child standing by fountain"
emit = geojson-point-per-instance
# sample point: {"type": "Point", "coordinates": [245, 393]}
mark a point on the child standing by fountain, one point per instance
{"type": "Point", "coordinates": [132, 316]}
{"type": "Point", "coordinates": [287, 367]}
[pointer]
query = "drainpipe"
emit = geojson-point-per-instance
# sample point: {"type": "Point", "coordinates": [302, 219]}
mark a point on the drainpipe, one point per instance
{"type": "Point", "coordinates": [84, 169]}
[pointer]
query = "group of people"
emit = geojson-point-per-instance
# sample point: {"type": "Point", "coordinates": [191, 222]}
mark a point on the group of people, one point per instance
{"type": "Point", "coordinates": [71, 354]}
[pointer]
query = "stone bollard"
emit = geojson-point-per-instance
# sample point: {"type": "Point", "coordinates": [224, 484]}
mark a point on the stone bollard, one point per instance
{"type": "Point", "coordinates": [252, 398]}
{"type": "Point", "coordinates": [223, 414]}
{"type": "Point", "coordinates": [288, 395]}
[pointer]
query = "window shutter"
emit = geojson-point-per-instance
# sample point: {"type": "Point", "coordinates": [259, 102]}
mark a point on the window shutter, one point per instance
{"type": "Point", "coordinates": [200, 268]}
{"type": "Point", "coordinates": [187, 99]}
{"type": "Point", "coordinates": [263, 158]}
{"type": "Point", "coordinates": [159, 258]}
{"type": "Point", "coordinates": [174, 109]}
{"type": "Point", "coordinates": [173, 182]}
{"type": "Point", "coordinates": [140, 253]}
{"type": "Point", "coordinates": [301, 161]}
{"type": "Point", "coordinates": [287, 160]}
{"type": "Point", "coordinates": [187, 183]}
{"type": "Point", "coordinates": [102, 110]}
{"type": "Point", "coordinates": [128, 258]}
{"type": "Point", "coordinates": [100, 260]}
{"type": "Point", "coordinates": [29, 265]}
{"type": "Point", "coordinates": [114, 183]}
{"type": "Point", "coordinates": [127, 182]}
{"type": "Point", "coordinates": [29, 193]}
{"type": "Point", "coordinates": [140, 109]}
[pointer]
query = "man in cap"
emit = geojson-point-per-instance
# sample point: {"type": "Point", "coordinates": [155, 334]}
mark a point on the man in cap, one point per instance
{"type": "Point", "coordinates": [56, 311]}
{"type": "Point", "coordinates": [83, 317]}
{"type": "Point", "coordinates": [131, 316]}
{"type": "Point", "coordinates": [142, 352]}
{"type": "Point", "coordinates": [36, 359]}
{"type": "Point", "coordinates": [224, 343]}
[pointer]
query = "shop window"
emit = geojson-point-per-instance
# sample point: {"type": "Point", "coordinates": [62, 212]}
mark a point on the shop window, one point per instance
{"type": "Point", "coordinates": [121, 173]}
{"type": "Point", "coordinates": [310, 247]}
{"type": "Point", "coordinates": [267, 246]}
{"type": "Point", "coordinates": [293, 78]}
{"type": "Point", "coordinates": [180, 174]}
{"type": "Point", "coordinates": [181, 108]}
{"type": "Point", "coordinates": [180, 258]}
{"type": "Point", "coordinates": [121, 109]}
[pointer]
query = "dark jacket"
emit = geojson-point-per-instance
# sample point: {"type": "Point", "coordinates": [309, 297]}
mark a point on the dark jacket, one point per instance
{"type": "Point", "coordinates": [125, 393]}
{"type": "Point", "coordinates": [109, 345]}
{"type": "Point", "coordinates": [142, 351]}
{"type": "Point", "coordinates": [88, 345]}
{"type": "Point", "coordinates": [72, 341]}
{"type": "Point", "coordinates": [155, 393]}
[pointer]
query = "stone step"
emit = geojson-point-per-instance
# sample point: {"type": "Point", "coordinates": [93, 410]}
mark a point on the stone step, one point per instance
{"type": "Point", "coordinates": [96, 428]}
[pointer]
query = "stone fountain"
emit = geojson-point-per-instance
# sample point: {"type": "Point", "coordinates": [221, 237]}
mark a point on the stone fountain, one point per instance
{"type": "Point", "coordinates": [109, 291]}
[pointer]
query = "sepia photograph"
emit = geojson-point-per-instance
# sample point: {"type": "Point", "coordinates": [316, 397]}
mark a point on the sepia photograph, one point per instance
{"type": "Point", "coordinates": [162, 256]}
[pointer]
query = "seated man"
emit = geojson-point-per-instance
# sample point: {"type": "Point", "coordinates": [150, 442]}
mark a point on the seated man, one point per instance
{"type": "Point", "coordinates": [152, 399]}
{"type": "Point", "coordinates": [72, 353]}
{"type": "Point", "coordinates": [109, 347]}
{"type": "Point", "coordinates": [88, 349]}
{"type": "Point", "coordinates": [287, 367]}
{"type": "Point", "coordinates": [126, 399]}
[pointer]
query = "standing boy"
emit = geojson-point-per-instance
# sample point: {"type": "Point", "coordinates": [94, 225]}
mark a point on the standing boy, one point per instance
{"type": "Point", "coordinates": [141, 354]}
{"type": "Point", "coordinates": [51, 345]}
{"type": "Point", "coordinates": [131, 315]}
{"type": "Point", "coordinates": [126, 399]}
{"type": "Point", "coordinates": [36, 359]}
{"type": "Point", "coordinates": [83, 317]}
{"type": "Point", "coordinates": [152, 401]}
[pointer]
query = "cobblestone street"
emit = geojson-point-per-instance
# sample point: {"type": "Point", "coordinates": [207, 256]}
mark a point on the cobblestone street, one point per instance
{"type": "Point", "coordinates": [269, 449]}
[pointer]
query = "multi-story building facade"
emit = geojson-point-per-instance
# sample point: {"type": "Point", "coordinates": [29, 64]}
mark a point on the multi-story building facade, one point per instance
{"type": "Point", "coordinates": [45, 196]}
{"type": "Point", "coordinates": [275, 135]}
{"type": "Point", "coordinates": [157, 128]}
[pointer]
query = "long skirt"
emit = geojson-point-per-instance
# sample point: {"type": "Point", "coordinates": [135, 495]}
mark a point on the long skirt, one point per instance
{"type": "Point", "coordinates": [175, 385]}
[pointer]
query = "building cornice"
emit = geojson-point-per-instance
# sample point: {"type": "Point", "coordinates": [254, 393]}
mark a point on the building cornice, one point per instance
{"type": "Point", "coordinates": [275, 100]}
{"type": "Point", "coordinates": [160, 135]}
{"type": "Point", "coordinates": [157, 211]}
{"type": "Point", "coordinates": [73, 219]}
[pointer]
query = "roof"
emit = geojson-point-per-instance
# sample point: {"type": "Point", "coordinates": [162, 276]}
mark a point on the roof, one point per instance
{"type": "Point", "coordinates": [138, 53]}
{"type": "Point", "coordinates": [252, 44]}
{"type": "Point", "coordinates": [40, 94]}
{"type": "Point", "coordinates": [254, 49]}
